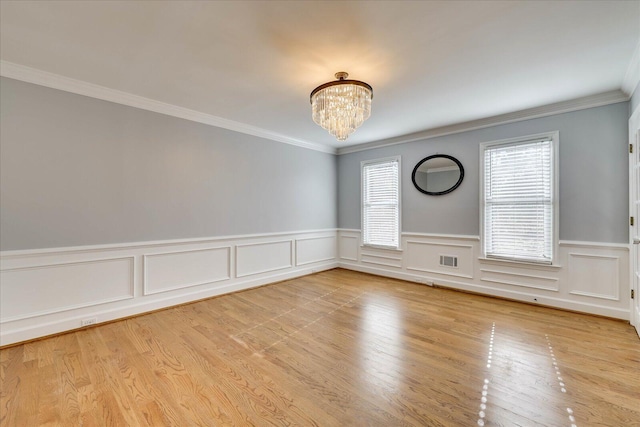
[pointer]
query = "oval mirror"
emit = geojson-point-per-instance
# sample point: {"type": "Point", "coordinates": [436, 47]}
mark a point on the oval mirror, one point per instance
{"type": "Point", "coordinates": [438, 174]}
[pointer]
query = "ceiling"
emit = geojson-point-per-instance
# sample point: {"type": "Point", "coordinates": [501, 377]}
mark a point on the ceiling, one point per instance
{"type": "Point", "coordinates": [253, 64]}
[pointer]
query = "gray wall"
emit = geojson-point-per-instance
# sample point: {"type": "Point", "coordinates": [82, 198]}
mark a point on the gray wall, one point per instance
{"type": "Point", "coordinates": [79, 171]}
{"type": "Point", "coordinates": [593, 176]}
{"type": "Point", "coordinates": [635, 100]}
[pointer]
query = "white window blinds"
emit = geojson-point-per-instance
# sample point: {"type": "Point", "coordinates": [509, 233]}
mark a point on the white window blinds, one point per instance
{"type": "Point", "coordinates": [380, 203]}
{"type": "Point", "coordinates": [518, 201]}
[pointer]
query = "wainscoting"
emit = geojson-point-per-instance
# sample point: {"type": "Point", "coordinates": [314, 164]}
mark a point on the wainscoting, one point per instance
{"type": "Point", "coordinates": [43, 292]}
{"type": "Point", "coordinates": [590, 277]}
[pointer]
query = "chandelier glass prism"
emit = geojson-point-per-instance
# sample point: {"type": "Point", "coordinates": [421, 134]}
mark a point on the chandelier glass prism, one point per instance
{"type": "Point", "coordinates": [341, 106]}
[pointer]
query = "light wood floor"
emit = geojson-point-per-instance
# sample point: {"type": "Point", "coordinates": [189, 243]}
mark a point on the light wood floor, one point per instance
{"type": "Point", "coordinates": [337, 348]}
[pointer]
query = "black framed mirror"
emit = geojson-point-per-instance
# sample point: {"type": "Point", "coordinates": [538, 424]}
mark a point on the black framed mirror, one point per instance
{"type": "Point", "coordinates": [437, 174]}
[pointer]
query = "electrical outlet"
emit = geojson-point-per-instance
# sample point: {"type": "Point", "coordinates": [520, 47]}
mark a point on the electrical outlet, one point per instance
{"type": "Point", "coordinates": [87, 322]}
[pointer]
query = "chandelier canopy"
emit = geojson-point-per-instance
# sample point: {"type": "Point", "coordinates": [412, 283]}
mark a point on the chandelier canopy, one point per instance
{"type": "Point", "coordinates": [341, 106]}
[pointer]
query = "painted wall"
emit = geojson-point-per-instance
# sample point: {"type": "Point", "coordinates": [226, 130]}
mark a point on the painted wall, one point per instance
{"type": "Point", "coordinates": [80, 171]}
{"type": "Point", "coordinates": [593, 177]}
{"type": "Point", "coordinates": [634, 103]}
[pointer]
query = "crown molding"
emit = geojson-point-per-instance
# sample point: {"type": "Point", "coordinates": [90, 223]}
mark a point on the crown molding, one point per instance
{"type": "Point", "coordinates": [56, 81]}
{"type": "Point", "coordinates": [606, 98]}
{"type": "Point", "coordinates": [632, 77]}
{"type": "Point", "coordinates": [79, 87]}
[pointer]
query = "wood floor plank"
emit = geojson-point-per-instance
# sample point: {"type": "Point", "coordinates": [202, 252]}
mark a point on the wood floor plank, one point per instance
{"type": "Point", "coordinates": [337, 348]}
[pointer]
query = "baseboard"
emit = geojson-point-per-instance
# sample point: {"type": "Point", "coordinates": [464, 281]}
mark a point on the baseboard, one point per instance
{"type": "Point", "coordinates": [17, 336]}
{"type": "Point", "coordinates": [589, 277]}
{"type": "Point", "coordinates": [530, 298]}
{"type": "Point", "coordinates": [62, 289]}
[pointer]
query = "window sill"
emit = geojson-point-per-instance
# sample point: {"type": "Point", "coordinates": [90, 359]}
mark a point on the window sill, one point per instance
{"type": "Point", "coordinates": [514, 263]}
{"type": "Point", "coordinates": [384, 248]}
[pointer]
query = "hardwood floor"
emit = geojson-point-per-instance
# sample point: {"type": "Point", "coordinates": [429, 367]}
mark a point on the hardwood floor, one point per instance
{"type": "Point", "coordinates": [338, 348]}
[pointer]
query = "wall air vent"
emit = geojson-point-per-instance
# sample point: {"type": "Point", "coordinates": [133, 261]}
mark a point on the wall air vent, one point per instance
{"type": "Point", "coordinates": [449, 261]}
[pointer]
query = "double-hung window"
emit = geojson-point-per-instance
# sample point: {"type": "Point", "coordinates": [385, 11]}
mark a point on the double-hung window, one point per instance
{"type": "Point", "coordinates": [519, 198]}
{"type": "Point", "coordinates": [381, 203]}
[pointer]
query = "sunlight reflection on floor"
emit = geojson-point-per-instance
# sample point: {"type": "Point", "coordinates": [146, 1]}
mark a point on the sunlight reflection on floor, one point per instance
{"type": "Point", "coordinates": [382, 335]}
{"type": "Point", "coordinates": [523, 369]}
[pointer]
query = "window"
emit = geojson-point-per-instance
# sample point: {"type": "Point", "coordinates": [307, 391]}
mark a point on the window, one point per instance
{"type": "Point", "coordinates": [381, 203]}
{"type": "Point", "coordinates": [518, 198]}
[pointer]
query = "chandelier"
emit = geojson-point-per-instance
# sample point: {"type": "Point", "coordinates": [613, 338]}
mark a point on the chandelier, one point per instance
{"type": "Point", "coordinates": [341, 106]}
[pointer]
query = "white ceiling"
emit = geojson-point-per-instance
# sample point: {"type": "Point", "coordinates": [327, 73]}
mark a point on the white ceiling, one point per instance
{"type": "Point", "coordinates": [431, 63]}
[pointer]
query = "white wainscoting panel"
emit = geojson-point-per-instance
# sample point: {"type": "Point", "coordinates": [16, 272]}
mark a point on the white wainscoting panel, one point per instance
{"type": "Point", "coordinates": [256, 258]}
{"type": "Point", "coordinates": [424, 256]}
{"type": "Point", "coordinates": [524, 279]}
{"type": "Point", "coordinates": [49, 291]}
{"type": "Point", "coordinates": [387, 258]}
{"type": "Point", "coordinates": [315, 249]}
{"type": "Point", "coordinates": [176, 270]}
{"type": "Point", "coordinates": [594, 275]}
{"type": "Point", "coordinates": [348, 247]}
{"type": "Point", "coordinates": [590, 277]}
{"type": "Point", "coordinates": [46, 289]}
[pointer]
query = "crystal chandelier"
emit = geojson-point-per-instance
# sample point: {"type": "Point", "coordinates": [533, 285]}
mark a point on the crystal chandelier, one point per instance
{"type": "Point", "coordinates": [341, 106]}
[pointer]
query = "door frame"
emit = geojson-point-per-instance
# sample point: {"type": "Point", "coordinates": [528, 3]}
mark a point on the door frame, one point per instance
{"type": "Point", "coordinates": [634, 230]}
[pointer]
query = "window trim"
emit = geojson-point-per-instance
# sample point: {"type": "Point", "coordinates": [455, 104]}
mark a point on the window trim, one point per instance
{"type": "Point", "coordinates": [554, 136]}
{"type": "Point", "coordinates": [399, 230]}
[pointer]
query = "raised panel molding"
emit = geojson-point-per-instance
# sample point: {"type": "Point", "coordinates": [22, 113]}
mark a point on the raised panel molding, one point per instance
{"type": "Point", "coordinates": [592, 275]}
{"type": "Point", "coordinates": [348, 248]}
{"type": "Point", "coordinates": [380, 259]}
{"type": "Point", "coordinates": [169, 271]}
{"type": "Point", "coordinates": [311, 250]}
{"type": "Point", "coordinates": [48, 291]}
{"type": "Point", "coordinates": [520, 279]}
{"type": "Point", "coordinates": [264, 257]}
{"type": "Point", "coordinates": [424, 256]}
{"type": "Point", "coordinates": [589, 279]}
{"type": "Point", "coordinates": [44, 289]}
